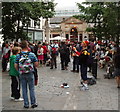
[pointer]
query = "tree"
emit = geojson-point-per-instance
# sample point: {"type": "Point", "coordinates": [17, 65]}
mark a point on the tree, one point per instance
{"type": "Point", "coordinates": [111, 20]}
{"type": "Point", "coordinates": [104, 16]}
{"type": "Point", "coordinates": [17, 15]}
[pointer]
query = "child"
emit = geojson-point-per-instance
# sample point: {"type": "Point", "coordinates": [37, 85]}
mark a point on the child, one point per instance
{"type": "Point", "coordinates": [15, 82]}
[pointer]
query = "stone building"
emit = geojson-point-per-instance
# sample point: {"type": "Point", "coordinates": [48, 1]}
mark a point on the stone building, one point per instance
{"type": "Point", "coordinates": [69, 27]}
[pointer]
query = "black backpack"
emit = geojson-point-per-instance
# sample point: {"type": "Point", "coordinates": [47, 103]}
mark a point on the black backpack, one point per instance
{"type": "Point", "coordinates": [91, 81]}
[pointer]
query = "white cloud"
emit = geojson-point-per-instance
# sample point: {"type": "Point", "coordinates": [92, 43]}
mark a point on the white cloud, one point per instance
{"type": "Point", "coordinates": [67, 4]}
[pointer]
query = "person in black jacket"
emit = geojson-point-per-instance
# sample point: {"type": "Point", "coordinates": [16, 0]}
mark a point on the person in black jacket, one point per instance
{"type": "Point", "coordinates": [53, 54]}
{"type": "Point", "coordinates": [116, 60]}
{"type": "Point", "coordinates": [64, 56]}
{"type": "Point", "coordinates": [83, 60]}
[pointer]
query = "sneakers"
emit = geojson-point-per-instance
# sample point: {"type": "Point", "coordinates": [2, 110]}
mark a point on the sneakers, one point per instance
{"type": "Point", "coordinates": [34, 105]}
{"type": "Point", "coordinates": [118, 86]}
{"type": "Point", "coordinates": [12, 98]}
{"type": "Point", "coordinates": [26, 107]}
{"type": "Point", "coordinates": [72, 70]}
{"type": "Point", "coordinates": [84, 86]}
{"type": "Point", "coordinates": [62, 69]}
{"type": "Point", "coordinates": [20, 99]}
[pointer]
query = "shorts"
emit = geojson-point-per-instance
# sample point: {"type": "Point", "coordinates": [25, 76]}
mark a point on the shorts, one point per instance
{"type": "Point", "coordinates": [117, 72]}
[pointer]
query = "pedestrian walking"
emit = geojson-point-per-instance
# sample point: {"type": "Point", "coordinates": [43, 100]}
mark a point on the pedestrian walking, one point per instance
{"type": "Point", "coordinates": [25, 62]}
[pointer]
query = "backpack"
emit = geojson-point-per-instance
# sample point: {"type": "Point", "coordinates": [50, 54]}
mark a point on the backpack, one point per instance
{"type": "Point", "coordinates": [53, 50]}
{"type": "Point", "coordinates": [25, 63]}
{"type": "Point", "coordinates": [91, 81]}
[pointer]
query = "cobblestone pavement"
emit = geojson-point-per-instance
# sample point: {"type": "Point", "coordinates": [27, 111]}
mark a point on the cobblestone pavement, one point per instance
{"type": "Point", "coordinates": [50, 96]}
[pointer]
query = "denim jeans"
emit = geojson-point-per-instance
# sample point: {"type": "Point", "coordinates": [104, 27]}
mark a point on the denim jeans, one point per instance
{"type": "Point", "coordinates": [27, 80]}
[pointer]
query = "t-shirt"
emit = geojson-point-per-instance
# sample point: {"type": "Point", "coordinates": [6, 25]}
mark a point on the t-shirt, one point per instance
{"type": "Point", "coordinates": [13, 71]}
{"type": "Point", "coordinates": [45, 49]}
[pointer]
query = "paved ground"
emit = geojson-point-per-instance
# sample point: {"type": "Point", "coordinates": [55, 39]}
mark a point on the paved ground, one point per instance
{"type": "Point", "coordinates": [102, 96]}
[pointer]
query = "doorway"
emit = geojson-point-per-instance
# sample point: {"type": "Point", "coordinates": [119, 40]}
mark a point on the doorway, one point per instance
{"type": "Point", "coordinates": [74, 35]}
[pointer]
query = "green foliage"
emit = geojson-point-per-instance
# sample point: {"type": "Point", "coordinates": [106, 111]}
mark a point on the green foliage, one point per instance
{"type": "Point", "coordinates": [105, 17]}
{"type": "Point", "coordinates": [14, 13]}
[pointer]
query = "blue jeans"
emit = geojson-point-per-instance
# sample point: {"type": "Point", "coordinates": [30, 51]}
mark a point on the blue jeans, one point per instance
{"type": "Point", "coordinates": [27, 80]}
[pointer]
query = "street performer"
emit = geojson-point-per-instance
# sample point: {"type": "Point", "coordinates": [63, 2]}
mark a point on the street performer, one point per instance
{"type": "Point", "coordinates": [83, 60]}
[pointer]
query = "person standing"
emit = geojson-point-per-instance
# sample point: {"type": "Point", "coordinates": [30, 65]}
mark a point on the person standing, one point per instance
{"type": "Point", "coordinates": [64, 56]}
{"type": "Point", "coordinates": [76, 58]}
{"type": "Point", "coordinates": [116, 61]}
{"type": "Point", "coordinates": [40, 54]}
{"type": "Point", "coordinates": [15, 80]}
{"type": "Point", "coordinates": [53, 54]}
{"type": "Point", "coordinates": [83, 59]}
{"type": "Point", "coordinates": [5, 56]}
{"type": "Point", "coordinates": [45, 52]}
{"type": "Point", "coordinates": [25, 62]}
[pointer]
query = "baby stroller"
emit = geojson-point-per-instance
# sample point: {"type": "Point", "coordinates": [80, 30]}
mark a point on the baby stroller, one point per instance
{"type": "Point", "coordinates": [110, 70]}
{"type": "Point", "coordinates": [48, 61]}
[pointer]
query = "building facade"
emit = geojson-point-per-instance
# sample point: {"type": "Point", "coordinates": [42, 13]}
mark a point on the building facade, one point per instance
{"type": "Point", "coordinates": [69, 27]}
{"type": "Point", "coordinates": [35, 31]}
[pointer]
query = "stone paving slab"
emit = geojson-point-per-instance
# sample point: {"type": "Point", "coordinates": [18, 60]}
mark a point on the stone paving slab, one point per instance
{"type": "Point", "coordinates": [50, 96]}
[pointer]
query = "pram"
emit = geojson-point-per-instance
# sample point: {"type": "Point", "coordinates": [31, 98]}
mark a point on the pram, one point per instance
{"type": "Point", "coordinates": [48, 62]}
{"type": "Point", "coordinates": [109, 69]}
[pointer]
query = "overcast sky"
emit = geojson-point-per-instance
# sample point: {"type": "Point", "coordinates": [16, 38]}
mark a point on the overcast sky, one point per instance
{"type": "Point", "coordinates": [67, 4]}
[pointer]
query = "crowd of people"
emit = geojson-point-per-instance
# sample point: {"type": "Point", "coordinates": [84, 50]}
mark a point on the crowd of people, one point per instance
{"type": "Point", "coordinates": [24, 58]}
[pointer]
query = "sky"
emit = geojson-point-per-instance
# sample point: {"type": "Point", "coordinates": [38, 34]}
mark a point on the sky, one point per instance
{"type": "Point", "coordinates": [67, 4]}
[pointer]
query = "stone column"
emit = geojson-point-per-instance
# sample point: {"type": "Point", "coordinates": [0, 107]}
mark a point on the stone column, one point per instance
{"type": "Point", "coordinates": [62, 34]}
{"type": "Point", "coordinates": [47, 30]}
{"type": "Point", "coordinates": [43, 35]}
{"type": "Point", "coordinates": [69, 36]}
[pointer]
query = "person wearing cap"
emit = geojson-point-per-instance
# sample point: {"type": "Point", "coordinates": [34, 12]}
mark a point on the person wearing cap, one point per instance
{"type": "Point", "coordinates": [83, 60]}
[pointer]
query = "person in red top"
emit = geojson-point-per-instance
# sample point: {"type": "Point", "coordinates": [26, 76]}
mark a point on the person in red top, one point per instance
{"type": "Point", "coordinates": [5, 56]}
{"type": "Point", "coordinates": [45, 52]}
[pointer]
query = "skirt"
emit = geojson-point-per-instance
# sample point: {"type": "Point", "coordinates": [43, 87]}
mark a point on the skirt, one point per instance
{"type": "Point", "coordinates": [40, 57]}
